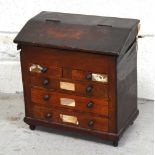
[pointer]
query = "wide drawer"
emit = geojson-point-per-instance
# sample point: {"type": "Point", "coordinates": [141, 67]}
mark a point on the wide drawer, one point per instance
{"type": "Point", "coordinates": [69, 117]}
{"type": "Point", "coordinates": [67, 73]}
{"type": "Point", "coordinates": [88, 89]}
{"type": "Point", "coordinates": [46, 98]}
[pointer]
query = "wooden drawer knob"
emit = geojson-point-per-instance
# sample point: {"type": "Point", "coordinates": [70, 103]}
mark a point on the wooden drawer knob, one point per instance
{"type": "Point", "coordinates": [89, 89]}
{"type": "Point", "coordinates": [45, 97]}
{"type": "Point", "coordinates": [90, 104]}
{"type": "Point", "coordinates": [44, 70]}
{"type": "Point", "coordinates": [89, 76]}
{"type": "Point", "coordinates": [45, 82]}
{"type": "Point", "coordinates": [48, 115]}
{"type": "Point", "coordinates": [91, 123]}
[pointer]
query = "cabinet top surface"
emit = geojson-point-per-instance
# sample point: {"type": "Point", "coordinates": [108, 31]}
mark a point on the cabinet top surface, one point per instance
{"type": "Point", "coordinates": [95, 34]}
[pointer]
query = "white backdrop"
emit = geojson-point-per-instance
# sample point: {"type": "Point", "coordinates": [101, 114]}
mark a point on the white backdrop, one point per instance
{"type": "Point", "coordinates": [14, 14]}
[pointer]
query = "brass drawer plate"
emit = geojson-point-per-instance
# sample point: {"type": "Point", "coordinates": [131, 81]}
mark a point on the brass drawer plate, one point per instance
{"type": "Point", "coordinates": [35, 68]}
{"type": "Point", "coordinates": [100, 77]}
{"type": "Point", "coordinates": [67, 86]}
{"type": "Point", "coordinates": [67, 102]}
{"type": "Point", "coordinates": [69, 119]}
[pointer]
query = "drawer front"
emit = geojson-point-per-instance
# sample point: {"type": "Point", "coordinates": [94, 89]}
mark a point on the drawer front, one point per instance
{"type": "Point", "coordinates": [45, 98]}
{"type": "Point", "coordinates": [67, 73]}
{"type": "Point", "coordinates": [40, 69]}
{"type": "Point", "coordinates": [69, 117]}
{"type": "Point", "coordinates": [88, 89]}
{"type": "Point", "coordinates": [81, 75]}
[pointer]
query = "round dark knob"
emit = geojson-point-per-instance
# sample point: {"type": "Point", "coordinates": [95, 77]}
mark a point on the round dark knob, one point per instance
{"type": "Point", "coordinates": [45, 82]}
{"type": "Point", "coordinates": [44, 70]}
{"type": "Point", "coordinates": [89, 76]}
{"type": "Point", "coordinates": [90, 104]}
{"type": "Point", "coordinates": [45, 97]}
{"type": "Point", "coordinates": [89, 89]}
{"type": "Point", "coordinates": [90, 123]}
{"type": "Point", "coordinates": [48, 115]}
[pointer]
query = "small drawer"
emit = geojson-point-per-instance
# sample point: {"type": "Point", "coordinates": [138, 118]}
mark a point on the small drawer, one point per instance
{"type": "Point", "coordinates": [45, 98]}
{"type": "Point", "coordinates": [37, 69]}
{"type": "Point", "coordinates": [81, 75]}
{"type": "Point", "coordinates": [87, 89]}
{"type": "Point", "coordinates": [72, 118]}
{"type": "Point", "coordinates": [89, 76]}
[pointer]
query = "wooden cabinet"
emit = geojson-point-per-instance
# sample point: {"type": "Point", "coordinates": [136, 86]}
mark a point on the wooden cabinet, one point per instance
{"type": "Point", "coordinates": [80, 75]}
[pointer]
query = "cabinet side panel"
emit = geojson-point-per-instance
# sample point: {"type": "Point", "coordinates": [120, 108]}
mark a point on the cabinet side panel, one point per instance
{"type": "Point", "coordinates": [127, 88]}
{"type": "Point", "coordinates": [112, 96]}
{"type": "Point", "coordinates": [26, 82]}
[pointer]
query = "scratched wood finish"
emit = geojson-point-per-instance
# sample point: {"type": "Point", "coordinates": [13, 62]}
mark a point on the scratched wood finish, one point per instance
{"type": "Point", "coordinates": [68, 47]}
{"type": "Point", "coordinates": [59, 60]}
{"type": "Point", "coordinates": [100, 124]}
{"type": "Point", "coordinates": [93, 34]}
{"type": "Point", "coordinates": [127, 80]}
{"type": "Point", "coordinates": [100, 107]}
{"type": "Point", "coordinates": [53, 57]}
{"type": "Point", "coordinates": [55, 72]}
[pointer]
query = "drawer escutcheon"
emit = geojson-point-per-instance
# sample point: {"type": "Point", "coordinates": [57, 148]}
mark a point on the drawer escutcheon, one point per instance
{"type": "Point", "coordinates": [69, 119]}
{"type": "Point", "coordinates": [36, 68]}
{"type": "Point", "coordinates": [67, 86]}
{"type": "Point", "coordinates": [100, 77]}
{"type": "Point", "coordinates": [67, 102]}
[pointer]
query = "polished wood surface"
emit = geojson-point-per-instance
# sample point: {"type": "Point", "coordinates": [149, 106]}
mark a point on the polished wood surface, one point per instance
{"type": "Point", "coordinates": [104, 95]}
{"type": "Point", "coordinates": [55, 72]}
{"type": "Point", "coordinates": [98, 123]}
{"type": "Point", "coordinates": [96, 91]}
{"type": "Point", "coordinates": [99, 106]}
{"type": "Point", "coordinates": [84, 84]}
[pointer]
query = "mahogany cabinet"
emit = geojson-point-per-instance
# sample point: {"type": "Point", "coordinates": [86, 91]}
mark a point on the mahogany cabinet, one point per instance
{"type": "Point", "coordinates": [79, 73]}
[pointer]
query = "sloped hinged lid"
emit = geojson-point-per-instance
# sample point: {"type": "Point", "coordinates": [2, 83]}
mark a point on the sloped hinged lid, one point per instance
{"type": "Point", "coordinates": [104, 35]}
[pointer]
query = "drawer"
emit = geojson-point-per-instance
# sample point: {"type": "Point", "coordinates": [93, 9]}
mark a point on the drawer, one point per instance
{"type": "Point", "coordinates": [45, 98]}
{"type": "Point", "coordinates": [88, 89]}
{"type": "Point", "coordinates": [69, 117]}
{"type": "Point", "coordinates": [67, 73]}
{"type": "Point", "coordinates": [40, 69]}
{"type": "Point", "coordinates": [81, 75]}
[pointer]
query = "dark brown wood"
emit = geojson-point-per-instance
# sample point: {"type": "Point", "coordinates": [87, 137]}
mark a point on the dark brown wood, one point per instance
{"type": "Point", "coordinates": [66, 127]}
{"type": "Point", "coordinates": [32, 127]}
{"type": "Point", "coordinates": [127, 87]}
{"type": "Point", "coordinates": [58, 61]}
{"type": "Point", "coordinates": [26, 84]}
{"type": "Point", "coordinates": [112, 89]}
{"type": "Point", "coordinates": [95, 34]}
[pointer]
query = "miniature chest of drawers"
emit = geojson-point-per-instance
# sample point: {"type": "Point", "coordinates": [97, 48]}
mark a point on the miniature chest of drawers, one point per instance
{"type": "Point", "coordinates": [79, 73]}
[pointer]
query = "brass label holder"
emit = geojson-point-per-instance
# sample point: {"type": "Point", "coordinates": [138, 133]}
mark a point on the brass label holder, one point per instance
{"type": "Point", "coordinates": [69, 119]}
{"type": "Point", "coordinates": [67, 102]}
{"type": "Point", "coordinates": [100, 77]}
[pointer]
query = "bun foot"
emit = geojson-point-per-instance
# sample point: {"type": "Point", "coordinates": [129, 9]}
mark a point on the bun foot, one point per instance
{"type": "Point", "coordinates": [131, 123]}
{"type": "Point", "coordinates": [115, 143]}
{"type": "Point", "coordinates": [32, 127]}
